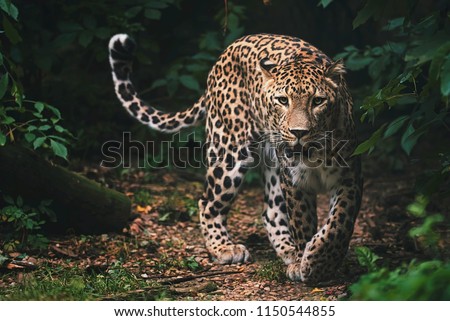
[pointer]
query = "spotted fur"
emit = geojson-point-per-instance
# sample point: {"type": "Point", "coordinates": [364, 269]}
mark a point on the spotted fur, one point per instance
{"type": "Point", "coordinates": [289, 98]}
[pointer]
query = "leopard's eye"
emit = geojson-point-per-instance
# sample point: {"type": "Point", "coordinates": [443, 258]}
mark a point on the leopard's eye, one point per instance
{"type": "Point", "coordinates": [317, 101]}
{"type": "Point", "coordinates": [283, 100]}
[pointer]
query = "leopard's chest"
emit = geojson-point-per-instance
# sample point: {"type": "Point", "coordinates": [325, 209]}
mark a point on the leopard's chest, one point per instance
{"type": "Point", "coordinates": [316, 180]}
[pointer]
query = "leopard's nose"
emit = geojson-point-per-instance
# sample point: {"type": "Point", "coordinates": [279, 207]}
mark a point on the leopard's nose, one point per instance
{"type": "Point", "coordinates": [299, 133]}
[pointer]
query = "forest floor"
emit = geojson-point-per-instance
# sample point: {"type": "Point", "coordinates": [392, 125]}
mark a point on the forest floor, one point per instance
{"type": "Point", "coordinates": [161, 255]}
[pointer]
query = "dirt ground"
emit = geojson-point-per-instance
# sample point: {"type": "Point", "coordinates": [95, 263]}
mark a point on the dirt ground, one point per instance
{"type": "Point", "coordinates": [157, 248]}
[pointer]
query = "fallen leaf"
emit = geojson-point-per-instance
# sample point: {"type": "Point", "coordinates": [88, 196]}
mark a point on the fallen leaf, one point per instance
{"type": "Point", "coordinates": [143, 209]}
{"type": "Point", "coordinates": [64, 252]}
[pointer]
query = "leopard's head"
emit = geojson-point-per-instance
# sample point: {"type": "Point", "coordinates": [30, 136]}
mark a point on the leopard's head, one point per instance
{"type": "Point", "coordinates": [303, 100]}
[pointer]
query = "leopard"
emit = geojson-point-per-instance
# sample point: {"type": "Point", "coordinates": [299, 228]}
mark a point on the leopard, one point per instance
{"type": "Point", "coordinates": [278, 99]}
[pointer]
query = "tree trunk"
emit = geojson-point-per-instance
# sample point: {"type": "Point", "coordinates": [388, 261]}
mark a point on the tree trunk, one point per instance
{"type": "Point", "coordinates": [79, 203]}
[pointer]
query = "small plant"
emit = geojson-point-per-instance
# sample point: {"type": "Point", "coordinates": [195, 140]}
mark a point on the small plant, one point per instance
{"type": "Point", "coordinates": [49, 283]}
{"type": "Point", "coordinates": [426, 232]}
{"type": "Point", "coordinates": [142, 197]}
{"type": "Point", "coordinates": [272, 271]}
{"type": "Point", "coordinates": [191, 206]}
{"type": "Point", "coordinates": [21, 223]}
{"type": "Point", "coordinates": [417, 281]}
{"type": "Point", "coordinates": [165, 262]}
{"type": "Point", "coordinates": [177, 208]}
{"type": "Point", "coordinates": [191, 264]}
{"type": "Point", "coordinates": [367, 258]}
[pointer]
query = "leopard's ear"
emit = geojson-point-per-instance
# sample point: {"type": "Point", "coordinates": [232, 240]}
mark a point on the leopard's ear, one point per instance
{"type": "Point", "coordinates": [266, 66]}
{"type": "Point", "coordinates": [335, 73]}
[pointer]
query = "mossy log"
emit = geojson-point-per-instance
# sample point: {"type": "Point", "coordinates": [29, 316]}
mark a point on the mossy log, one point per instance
{"type": "Point", "coordinates": [79, 203]}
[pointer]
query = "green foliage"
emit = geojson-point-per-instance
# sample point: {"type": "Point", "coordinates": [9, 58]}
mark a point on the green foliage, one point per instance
{"type": "Point", "coordinates": [325, 3]}
{"type": "Point", "coordinates": [427, 230]}
{"type": "Point", "coordinates": [274, 270]}
{"type": "Point", "coordinates": [22, 222]}
{"type": "Point", "coordinates": [142, 197]}
{"type": "Point", "coordinates": [36, 127]}
{"type": "Point", "coordinates": [190, 72]}
{"type": "Point", "coordinates": [191, 264]}
{"type": "Point", "coordinates": [372, 9]}
{"type": "Point", "coordinates": [166, 262]}
{"type": "Point", "coordinates": [367, 258]}
{"type": "Point", "coordinates": [418, 207]}
{"type": "Point", "coordinates": [417, 281]}
{"type": "Point", "coordinates": [177, 208]}
{"type": "Point", "coordinates": [33, 123]}
{"type": "Point", "coordinates": [409, 78]}
{"type": "Point", "coordinates": [407, 100]}
{"type": "Point", "coordinates": [50, 283]}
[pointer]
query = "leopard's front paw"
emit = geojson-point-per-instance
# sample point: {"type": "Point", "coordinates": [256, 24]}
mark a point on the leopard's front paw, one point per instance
{"type": "Point", "coordinates": [231, 254]}
{"type": "Point", "coordinates": [293, 271]}
{"type": "Point", "coordinates": [302, 272]}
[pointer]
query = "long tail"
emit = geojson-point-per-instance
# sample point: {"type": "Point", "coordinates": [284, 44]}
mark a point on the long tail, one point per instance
{"type": "Point", "coordinates": [121, 48]}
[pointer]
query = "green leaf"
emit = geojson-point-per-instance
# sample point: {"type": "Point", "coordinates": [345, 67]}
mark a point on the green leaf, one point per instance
{"type": "Point", "coordinates": [409, 139]}
{"type": "Point", "coordinates": [394, 126]}
{"type": "Point", "coordinates": [445, 77]}
{"type": "Point", "coordinates": [4, 84]}
{"type": "Point", "coordinates": [210, 41]}
{"type": "Point", "coordinates": [394, 24]}
{"type": "Point", "coordinates": [31, 128]}
{"type": "Point", "coordinates": [427, 48]}
{"type": "Point", "coordinates": [324, 3]}
{"type": "Point", "coordinates": [189, 82]}
{"type": "Point", "coordinates": [373, 8]}
{"type": "Point", "coordinates": [38, 142]}
{"type": "Point", "coordinates": [369, 144]}
{"type": "Point", "coordinates": [418, 207]}
{"type": "Point", "coordinates": [204, 56]}
{"type": "Point", "coordinates": [85, 38]}
{"type": "Point", "coordinates": [54, 110]}
{"type": "Point", "coordinates": [366, 258]}
{"type": "Point", "coordinates": [8, 120]}
{"type": "Point", "coordinates": [44, 127]}
{"type": "Point", "coordinates": [152, 14]}
{"type": "Point", "coordinates": [59, 149]}
{"type": "Point", "coordinates": [3, 260]}
{"type": "Point", "coordinates": [11, 31]}
{"type": "Point", "coordinates": [9, 8]}
{"type": "Point", "coordinates": [102, 33]}
{"type": "Point", "coordinates": [39, 106]}
{"type": "Point", "coordinates": [59, 129]}
{"type": "Point", "coordinates": [158, 83]}
{"type": "Point", "coordinates": [16, 91]}
{"type": "Point", "coordinates": [2, 139]}
{"type": "Point", "coordinates": [1, 59]}
{"type": "Point", "coordinates": [357, 62]}
{"type": "Point", "coordinates": [157, 4]}
{"type": "Point", "coordinates": [19, 201]}
{"type": "Point", "coordinates": [29, 137]}
{"type": "Point", "coordinates": [61, 139]}
{"type": "Point", "coordinates": [133, 12]}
